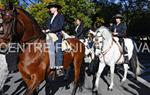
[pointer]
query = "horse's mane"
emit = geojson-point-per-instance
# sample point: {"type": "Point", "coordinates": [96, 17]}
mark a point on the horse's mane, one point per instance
{"type": "Point", "coordinates": [31, 18]}
{"type": "Point", "coordinates": [104, 27]}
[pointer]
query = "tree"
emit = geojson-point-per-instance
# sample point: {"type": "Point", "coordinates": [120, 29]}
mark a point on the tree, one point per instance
{"type": "Point", "coordinates": [39, 12]}
{"type": "Point", "coordinates": [72, 9]}
{"type": "Point", "coordinates": [82, 9]}
{"type": "Point", "coordinates": [5, 2]}
{"type": "Point", "coordinates": [136, 12]}
{"type": "Point", "coordinates": [104, 13]}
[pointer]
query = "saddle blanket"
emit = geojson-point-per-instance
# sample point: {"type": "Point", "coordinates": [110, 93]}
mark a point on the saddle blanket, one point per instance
{"type": "Point", "coordinates": [54, 38]}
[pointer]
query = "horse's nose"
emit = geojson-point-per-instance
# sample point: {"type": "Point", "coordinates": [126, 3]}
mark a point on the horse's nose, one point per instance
{"type": "Point", "coordinates": [96, 39]}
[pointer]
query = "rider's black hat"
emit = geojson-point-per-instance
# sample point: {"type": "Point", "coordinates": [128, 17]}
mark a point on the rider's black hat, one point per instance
{"type": "Point", "coordinates": [50, 5]}
{"type": "Point", "coordinates": [118, 16]}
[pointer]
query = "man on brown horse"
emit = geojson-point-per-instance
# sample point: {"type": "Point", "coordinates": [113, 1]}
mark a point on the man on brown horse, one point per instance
{"type": "Point", "coordinates": [55, 25]}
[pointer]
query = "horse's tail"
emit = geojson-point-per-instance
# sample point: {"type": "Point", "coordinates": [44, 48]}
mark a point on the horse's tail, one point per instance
{"type": "Point", "coordinates": [135, 63]}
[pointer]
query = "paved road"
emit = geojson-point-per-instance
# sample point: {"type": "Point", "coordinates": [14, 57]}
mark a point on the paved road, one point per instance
{"type": "Point", "coordinates": [15, 86]}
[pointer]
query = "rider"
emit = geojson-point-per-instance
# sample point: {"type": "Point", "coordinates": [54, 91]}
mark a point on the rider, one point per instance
{"type": "Point", "coordinates": [120, 31]}
{"type": "Point", "coordinates": [79, 29]}
{"type": "Point", "coordinates": [90, 38]}
{"type": "Point", "coordinates": [55, 25]}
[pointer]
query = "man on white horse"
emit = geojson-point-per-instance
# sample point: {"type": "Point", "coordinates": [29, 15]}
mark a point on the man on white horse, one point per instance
{"type": "Point", "coordinates": [120, 31]}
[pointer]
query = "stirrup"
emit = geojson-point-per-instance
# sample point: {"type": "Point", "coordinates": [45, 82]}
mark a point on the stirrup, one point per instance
{"type": "Point", "coordinates": [59, 67]}
{"type": "Point", "coordinates": [60, 72]}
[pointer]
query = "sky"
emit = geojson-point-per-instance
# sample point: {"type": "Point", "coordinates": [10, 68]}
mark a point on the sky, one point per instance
{"type": "Point", "coordinates": [115, 1]}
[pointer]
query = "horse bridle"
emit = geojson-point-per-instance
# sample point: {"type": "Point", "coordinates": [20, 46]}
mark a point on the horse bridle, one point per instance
{"type": "Point", "coordinates": [13, 22]}
{"type": "Point", "coordinates": [14, 27]}
{"type": "Point", "coordinates": [103, 52]}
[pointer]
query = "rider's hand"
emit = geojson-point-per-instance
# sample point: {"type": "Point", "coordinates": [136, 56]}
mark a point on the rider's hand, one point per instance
{"type": "Point", "coordinates": [115, 33]}
{"type": "Point", "coordinates": [46, 31]}
{"type": "Point", "coordinates": [72, 36]}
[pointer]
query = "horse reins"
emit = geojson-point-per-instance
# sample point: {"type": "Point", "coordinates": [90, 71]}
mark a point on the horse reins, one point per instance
{"type": "Point", "coordinates": [32, 39]}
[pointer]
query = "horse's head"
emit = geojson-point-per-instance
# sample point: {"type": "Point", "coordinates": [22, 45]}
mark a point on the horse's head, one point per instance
{"type": "Point", "coordinates": [102, 37]}
{"type": "Point", "coordinates": [98, 38]}
{"type": "Point", "coordinates": [18, 26]}
{"type": "Point", "coordinates": [6, 19]}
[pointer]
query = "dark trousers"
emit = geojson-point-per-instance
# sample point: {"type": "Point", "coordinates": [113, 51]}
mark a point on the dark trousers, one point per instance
{"type": "Point", "coordinates": [59, 53]}
{"type": "Point", "coordinates": [125, 52]}
{"type": "Point", "coordinates": [121, 41]}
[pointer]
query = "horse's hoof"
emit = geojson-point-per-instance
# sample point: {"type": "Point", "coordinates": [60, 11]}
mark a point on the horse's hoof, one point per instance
{"type": "Point", "coordinates": [123, 80]}
{"type": "Point", "coordinates": [67, 87]}
{"type": "Point", "coordinates": [80, 89]}
{"type": "Point", "coordinates": [95, 92]}
{"type": "Point", "coordinates": [110, 89]}
{"type": "Point", "coordinates": [94, 89]}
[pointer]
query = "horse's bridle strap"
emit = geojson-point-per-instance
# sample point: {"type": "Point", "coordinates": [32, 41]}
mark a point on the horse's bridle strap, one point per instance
{"type": "Point", "coordinates": [32, 39]}
{"type": "Point", "coordinates": [105, 51]}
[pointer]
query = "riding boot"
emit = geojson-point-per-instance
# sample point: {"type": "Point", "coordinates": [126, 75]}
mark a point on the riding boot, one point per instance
{"type": "Point", "coordinates": [59, 56]}
{"type": "Point", "coordinates": [59, 67]}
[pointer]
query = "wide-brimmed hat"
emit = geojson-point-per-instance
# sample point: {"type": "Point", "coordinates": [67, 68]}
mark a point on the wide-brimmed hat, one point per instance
{"type": "Point", "coordinates": [118, 16]}
{"type": "Point", "coordinates": [91, 33]}
{"type": "Point", "coordinates": [50, 5]}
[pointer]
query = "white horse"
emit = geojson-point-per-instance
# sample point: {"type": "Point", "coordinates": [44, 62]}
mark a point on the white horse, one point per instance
{"type": "Point", "coordinates": [3, 71]}
{"type": "Point", "coordinates": [110, 53]}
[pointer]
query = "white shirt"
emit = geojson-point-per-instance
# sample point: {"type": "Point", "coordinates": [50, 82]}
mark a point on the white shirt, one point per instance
{"type": "Point", "coordinates": [77, 28]}
{"type": "Point", "coordinates": [53, 18]}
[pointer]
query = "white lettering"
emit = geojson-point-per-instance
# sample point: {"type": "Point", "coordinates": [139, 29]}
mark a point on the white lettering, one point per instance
{"type": "Point", "coordinates": [145, 48]}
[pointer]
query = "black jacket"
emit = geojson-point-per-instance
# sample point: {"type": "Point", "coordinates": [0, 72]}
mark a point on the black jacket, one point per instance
{"type": "Point", "coordinates": [57, 24]}
{"type": "Point", "coordinates": [79, 32]}
{"type": "Point", "coordinates": [121, 29]}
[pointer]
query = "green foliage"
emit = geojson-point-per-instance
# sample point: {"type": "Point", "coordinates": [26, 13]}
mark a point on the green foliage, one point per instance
{"type": "Point", "coordinates": [71, 9]}
{"type": "Point", "coordinates": [98, 22]}
{"type": "Point", "coordinates": [39, 12]}
{"type": "Point", "coordinates": [140, 25]}
{"type": "Point", "coordinates": [77, 9]}
{"type": "Point", "coordinates": [104, 14]}
{"type": "Point", "coordinates": [92, 13]}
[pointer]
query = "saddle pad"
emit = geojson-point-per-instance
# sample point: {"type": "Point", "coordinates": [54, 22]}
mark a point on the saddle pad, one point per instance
{"type": "Point", "coordinates": [51, 36]}
{"type": "Point", "coordinates": [65, 46]}
{"type": "Point", "coordinates": [54, 38]}
{"type": "Point", "coordinates": [117, 42]}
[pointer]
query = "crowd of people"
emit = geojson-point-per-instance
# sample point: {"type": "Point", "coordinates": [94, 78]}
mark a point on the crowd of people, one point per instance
{"type": "Point", "coordinates": [56, 24]}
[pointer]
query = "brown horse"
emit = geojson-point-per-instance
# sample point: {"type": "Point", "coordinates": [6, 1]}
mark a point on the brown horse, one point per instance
{"type": "Point", "coordinates": [19, 26]}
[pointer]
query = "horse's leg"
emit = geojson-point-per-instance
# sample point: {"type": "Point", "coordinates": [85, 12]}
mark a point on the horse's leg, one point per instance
{"type": "Point", "coordinates": [35, 80]}
{"type": "Point", "coordinates": [33, 84]}
{"type": "Point", "coordinates": [24, 75]}
{"type": "Point", "coordinates": [125, 72]}
{"type": "Point", "coordinates": [48, 87]}
{"type": "Point", "coordinates": [66, 78]}
{"type": "Point", "coordinates": [100, 69]}
{"type": "Point", "coordinates": [112, 68]}
{"type": "Point", "coordinates": [77, 66]}
{"type": "Point", "coordinates": [93, 81]}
